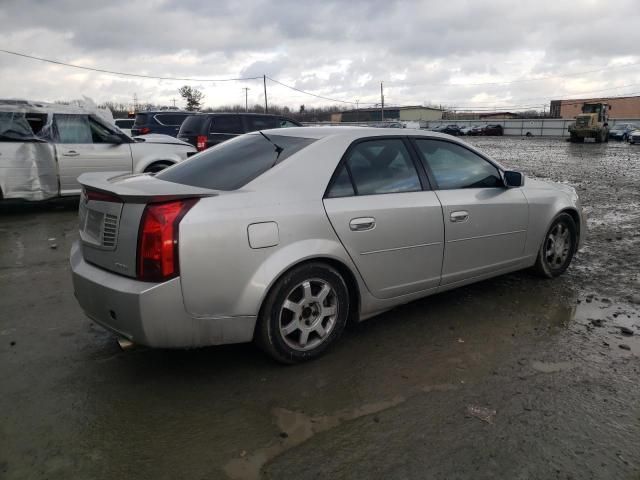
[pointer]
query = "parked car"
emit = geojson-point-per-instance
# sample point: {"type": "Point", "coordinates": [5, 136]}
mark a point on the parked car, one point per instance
{"type": "Point", "coordinates": [621, 131]}
{"type": "Point", "coordinates": [475, 130]}
{"type": "Point", "coordinates": [205, 130]}
{"type": "Point", "coordinates": [282, 236]}
{"type": "Point", "coordinates": [448, 129]}
{"type": "Point", "coordinates": [492, 130]}
{"type": "Point", "coordinates": [166, 122]}
{"type": "Point", "coordinates": [464, 130]}
{"type": "Point", "coordinates": [634, 137]}
{"type": "Point", "coordinates": [44, 147]}
{"type": "Point", "coordinates": [125, 124]}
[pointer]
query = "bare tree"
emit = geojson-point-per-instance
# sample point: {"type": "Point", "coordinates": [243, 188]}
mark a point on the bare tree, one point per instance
{"type": "Point", "coordinates": [193, 97]}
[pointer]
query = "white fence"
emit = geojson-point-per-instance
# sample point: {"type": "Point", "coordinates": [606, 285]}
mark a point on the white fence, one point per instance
{"type": "Point", "coordinates": [537, 127]}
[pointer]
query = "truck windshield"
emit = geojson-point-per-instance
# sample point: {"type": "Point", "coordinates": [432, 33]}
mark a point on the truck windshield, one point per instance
{"type": "Point", "coordinates": [233, 164]}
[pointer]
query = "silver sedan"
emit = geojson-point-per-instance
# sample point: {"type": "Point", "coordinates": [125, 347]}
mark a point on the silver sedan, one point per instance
{"type": "Point", "coordinates": [284, 236]}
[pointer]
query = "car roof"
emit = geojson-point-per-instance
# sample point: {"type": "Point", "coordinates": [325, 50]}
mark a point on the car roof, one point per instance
{"type": "Point", "coordinates": [244, 114]}
{"type": "Point", "coordinates": [353, 133]}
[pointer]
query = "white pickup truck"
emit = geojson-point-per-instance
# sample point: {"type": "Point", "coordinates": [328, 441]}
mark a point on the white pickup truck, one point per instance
{"type": "Point", "coordinates": [45, 147]}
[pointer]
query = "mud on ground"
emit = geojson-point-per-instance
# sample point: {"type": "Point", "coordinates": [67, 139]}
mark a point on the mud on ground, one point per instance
{"type": "Point", "coordinates": [514, 377]}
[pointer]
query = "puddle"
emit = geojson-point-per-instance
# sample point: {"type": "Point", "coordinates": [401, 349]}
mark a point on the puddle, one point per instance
{"type": "Point", "coordinates": [296, 428]}
{"type": "Point", "coordinates": [551, 367]}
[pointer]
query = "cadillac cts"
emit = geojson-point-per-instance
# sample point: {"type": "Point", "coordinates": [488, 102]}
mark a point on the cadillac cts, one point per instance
{"type": "Point", "coordinates": [282, 236]}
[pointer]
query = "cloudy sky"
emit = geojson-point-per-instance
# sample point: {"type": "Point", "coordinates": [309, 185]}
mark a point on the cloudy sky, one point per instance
{"type": "Point", "coordinates": [496, 54]}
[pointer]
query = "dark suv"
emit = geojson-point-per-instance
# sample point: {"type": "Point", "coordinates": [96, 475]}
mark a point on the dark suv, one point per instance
{"type": "Point", "coordinates": [162, 121]}
{"type": "Point", "coordinates": [205, 130]}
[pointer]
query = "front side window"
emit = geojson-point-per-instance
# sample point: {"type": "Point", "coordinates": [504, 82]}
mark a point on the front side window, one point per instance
{"type": "Point", "coordinates": [378, 166]}
{"type": "Point", "coordinates": [453, 166]}
{"type": "Point", "coordinates": [100, 133]}
{"type": "Point", "coordinates": [72, 128]}
{"type": "Point", "coordinates": [234, 163]}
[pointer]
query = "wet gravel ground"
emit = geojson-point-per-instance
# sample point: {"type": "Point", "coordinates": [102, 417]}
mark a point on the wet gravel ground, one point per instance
{"type": "Point", "coordinates": [514, 378]}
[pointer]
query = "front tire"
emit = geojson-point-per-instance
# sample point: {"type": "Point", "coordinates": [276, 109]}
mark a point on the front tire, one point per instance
{"type": "Point", "coordinates": [558, 247]}
{"type": "Point", "coordinates": [157, 167]}
{"type": "Point", "coordinates": [304, 314]}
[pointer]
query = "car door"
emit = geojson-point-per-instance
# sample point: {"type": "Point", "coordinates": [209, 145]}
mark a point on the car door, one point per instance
{"type": "Point", "coordinates": [485, 223]}
{"type": "Point", "coordinates": [387, 218]}
{"type": "Point", "coordinates": [84, 144]}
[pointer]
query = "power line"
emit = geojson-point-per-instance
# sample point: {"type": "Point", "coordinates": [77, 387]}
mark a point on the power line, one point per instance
{"type": "Point", "coordinates": [317, 96]}
{"type": "Point", "coordinates": [125, 74]}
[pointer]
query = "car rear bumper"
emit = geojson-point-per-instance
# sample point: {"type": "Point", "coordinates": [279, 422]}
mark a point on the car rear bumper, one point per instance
{"type": "Point", "coordinates": [151, 314]}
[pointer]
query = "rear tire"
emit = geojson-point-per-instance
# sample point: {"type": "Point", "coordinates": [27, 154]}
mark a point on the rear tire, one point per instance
{"type": "Point", "coordinates": [304, 314]}
{"type": "Point", "coordinates": [558, 247]}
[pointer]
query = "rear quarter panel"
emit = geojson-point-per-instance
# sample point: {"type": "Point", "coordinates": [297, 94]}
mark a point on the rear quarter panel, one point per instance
{"type": "Point", "coordinates": [222, 275]}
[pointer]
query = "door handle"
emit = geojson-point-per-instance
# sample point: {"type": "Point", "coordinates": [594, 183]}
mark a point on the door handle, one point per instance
{"type": "Point", "coordinates": [361, 224]}
{"type": "Point", "coordinates": [70, 153]}
{"type": "Point", "coordinates": [459, 216]}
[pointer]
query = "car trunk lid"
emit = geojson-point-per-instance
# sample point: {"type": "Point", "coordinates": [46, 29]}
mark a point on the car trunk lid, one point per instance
{"type": "Point", "coordinates": [111, 210]}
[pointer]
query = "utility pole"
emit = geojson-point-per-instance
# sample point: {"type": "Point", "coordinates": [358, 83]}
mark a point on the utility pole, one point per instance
{"type": "Point", "coordinates": [266, 107]}
{"type": "Point", "coordinates": [135, 102]}
{"type": "Point", "coordinates": [357, 110]}
{"type": "Point", "coordinates": [381, 103]}
{"type": "Point", "coordinates": [246, 98]}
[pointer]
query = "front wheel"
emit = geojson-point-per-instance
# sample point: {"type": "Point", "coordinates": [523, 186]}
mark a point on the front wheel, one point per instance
{"type": "Point", "coordinates": [157, 167]}
{"type": "Point", "coordinates": [304, 314]}
{"type": "Point", "coordinates": [558, 247]}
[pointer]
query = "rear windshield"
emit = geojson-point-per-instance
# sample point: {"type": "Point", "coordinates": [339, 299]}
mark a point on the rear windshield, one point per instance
{"type": "Point", "coordinates": [233, 164]}
{"type": "Point", "coordinates": [193, 124]}
{"type": "Point", "coordinates": [141, 119]}
{"type": "Point", "coordinates": [171, 119]}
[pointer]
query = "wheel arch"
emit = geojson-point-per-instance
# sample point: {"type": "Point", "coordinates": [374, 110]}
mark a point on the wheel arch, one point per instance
{"type": "Point", "coordinates": [576, 218]}
{"type": "Point", "coordinates": [166, 162]}
{"type": "Point", "coordinates": [347, 274]}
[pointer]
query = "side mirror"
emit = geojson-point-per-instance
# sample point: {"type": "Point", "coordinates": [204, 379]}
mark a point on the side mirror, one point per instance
{"type": "Point", "coordinates": [513, 179]}
{"type": "Point", "coordinates": [113, 138]}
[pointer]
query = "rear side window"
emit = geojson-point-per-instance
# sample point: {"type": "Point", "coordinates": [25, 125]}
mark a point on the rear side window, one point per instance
{"type": "Point", "coordinates": [284, 123]}
{"type": "Point", "coordinates": [255, 123]}
{"type": "Point", "coordinates": [377, 166]}
{"type": "Point", "coordinates": [193, 124]}
{"type": "Point", "coordinates": [226, 124]}
{"type": "Point", "coordinates": [233, 164]}
{"type": "Point", "coordinates": [141, 119]}
{"type": "Point", "coordinates": [170, 119]}
{"type": "Point", "coordinates": [18, 126]}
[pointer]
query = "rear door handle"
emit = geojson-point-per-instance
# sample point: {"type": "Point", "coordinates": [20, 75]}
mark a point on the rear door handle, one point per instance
{"type": "Point", "coordinates": [361, 224]}
{"type": "Point", "coordinates": [70, 153]}
{"type": "Point", "coordinates": [459, 216]}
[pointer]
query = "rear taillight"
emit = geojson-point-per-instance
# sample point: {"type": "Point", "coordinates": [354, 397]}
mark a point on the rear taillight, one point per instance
{"type": "Point", "coordinates": [158, 240]}
{"type": "Point", "coordinates": [144, 131]}
{"type": "Point", "coordinates": [100, 196]}
{"type": "Point", "coordinates": [201, 142]}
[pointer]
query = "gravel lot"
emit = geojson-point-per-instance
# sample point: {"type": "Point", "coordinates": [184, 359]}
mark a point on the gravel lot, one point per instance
{"type": "Point", "coordinates": [514, 377]}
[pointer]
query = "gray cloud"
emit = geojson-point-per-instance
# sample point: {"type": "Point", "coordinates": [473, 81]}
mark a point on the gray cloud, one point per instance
{"type": "Point", "coordinates": [333, 48]}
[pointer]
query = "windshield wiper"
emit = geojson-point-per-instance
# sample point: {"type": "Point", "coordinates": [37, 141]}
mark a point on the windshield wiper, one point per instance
{"type": "Point", "coordinates": [278, 148]}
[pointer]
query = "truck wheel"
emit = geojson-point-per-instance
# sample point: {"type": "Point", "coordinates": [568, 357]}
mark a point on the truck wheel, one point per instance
{"type": "Point", "coordinates": [157, 166]}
